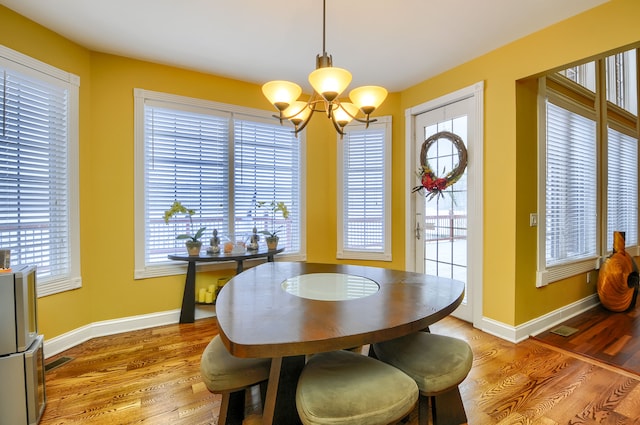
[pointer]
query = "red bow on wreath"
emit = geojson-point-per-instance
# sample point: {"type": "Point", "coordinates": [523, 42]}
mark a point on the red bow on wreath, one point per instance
{"type": "Point", "coordinates": [434, 185]}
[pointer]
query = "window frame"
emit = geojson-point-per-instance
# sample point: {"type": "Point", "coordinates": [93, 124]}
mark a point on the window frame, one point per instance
{"type": "Point", "coordinates": [33, 68]}
{"type": "Point", "coordinates": [606, 114]}
{"type": "Point", "coordinates": [168, 267]}
{"type": "Point", "coordinates": [385, 254]}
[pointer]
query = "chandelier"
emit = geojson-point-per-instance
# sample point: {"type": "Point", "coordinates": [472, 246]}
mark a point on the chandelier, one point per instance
{"type": "Point", "coordinates": [328, 83]}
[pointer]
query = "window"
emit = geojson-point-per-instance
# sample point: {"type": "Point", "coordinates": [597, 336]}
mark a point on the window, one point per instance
{"type": "Point", "coordinates": [622, 190]}
{"type": "Point", "coordinates": [39, 170]}
{"type": "Point", "coordinates": [621, 82]}
{"type": "Point", "coordinates": [364, 193]}
{"type": "Point", "coordinates": [219, 160]}
{"type": "Point", "coordinates": [590, 153]}
{"type": "Point", "coordinates": [584, 75]}
{"type": "Point", "coordinates": [571, 186]}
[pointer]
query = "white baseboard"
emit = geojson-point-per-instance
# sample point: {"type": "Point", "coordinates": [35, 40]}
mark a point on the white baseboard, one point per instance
{"type": "Point", "coordinates": [70, 339]}
{"type": "Point", "coordinates": [111, 327]}
{"type": "Point", "coordinates": [539, 324]}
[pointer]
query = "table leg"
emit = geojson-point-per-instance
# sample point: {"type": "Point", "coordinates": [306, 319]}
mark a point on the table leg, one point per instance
{"type": "Point", "coordinates": [449, 408]}
{"type": "Point", "coordinates": [239, 266]}
{"type": "Point", "coordinates": [280, 403]}
{"type": "Point", "coordinates": [187, 313]}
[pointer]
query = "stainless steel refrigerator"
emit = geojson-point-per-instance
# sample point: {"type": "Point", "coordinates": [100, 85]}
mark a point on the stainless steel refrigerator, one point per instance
{"type": "Point", "coordinates": [22, 379]}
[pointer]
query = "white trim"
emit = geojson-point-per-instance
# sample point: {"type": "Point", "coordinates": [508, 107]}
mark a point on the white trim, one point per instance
{"type": "Point", "coordinates": [539, 324]}
{"type": "Point", "coordinates": [75, 337]}
{"type": "Point", "coordinates": [553, 274]}
{"type": "Point", "coordinates": [28, 64]}
{"type": "Point", "coordinates": [42, 71]}
{"type": "Point", "coordinates": [385, 254]}
{"type": "Point", "coordinates": [475, 181]}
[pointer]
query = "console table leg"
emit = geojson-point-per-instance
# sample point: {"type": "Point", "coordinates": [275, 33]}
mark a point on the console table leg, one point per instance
{"type": "Point", "coordinates": [187, 314]}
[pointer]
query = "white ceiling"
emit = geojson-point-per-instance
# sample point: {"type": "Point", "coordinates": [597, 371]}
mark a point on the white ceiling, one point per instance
{"type": "Point", "coordinates": [395, 44]}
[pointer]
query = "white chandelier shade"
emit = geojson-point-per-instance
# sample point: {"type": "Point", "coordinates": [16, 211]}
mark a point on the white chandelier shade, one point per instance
{"type": "Point", "coordinates": [281, 93]}
{"type": "Point", "coordinates": [330, 82]}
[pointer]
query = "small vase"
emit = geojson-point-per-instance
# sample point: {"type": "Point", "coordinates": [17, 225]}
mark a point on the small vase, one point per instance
{"type": "Point", "coordinates": [193, 248]}
{"type": "Point", "coordinates": [272, 242]}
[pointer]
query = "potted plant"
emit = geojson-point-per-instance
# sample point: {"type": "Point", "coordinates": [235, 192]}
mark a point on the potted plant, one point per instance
{"type": "Point", "coordinates": [271, 237]}
{"type": "Point", "coordinates": [193, 242]}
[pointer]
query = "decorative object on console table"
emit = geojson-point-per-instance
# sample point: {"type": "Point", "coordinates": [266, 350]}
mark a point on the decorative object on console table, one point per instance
{"type": "Point", "coordinates": [272, 236]}
{"type": "Point", "coordinates": [253, 241]}
{"type": "Point", "coordinates": [272, 242]}
{"type": "Point", "coordinates": [5, 260]}
{"type": "Point", "coordinates": [214, 243]}
{"type": "Point", "coordinates": [193, 243]}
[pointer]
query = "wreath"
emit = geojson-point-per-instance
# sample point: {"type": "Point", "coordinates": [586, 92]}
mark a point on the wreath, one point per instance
{"type": "Point", "coordinates": [430, 181]}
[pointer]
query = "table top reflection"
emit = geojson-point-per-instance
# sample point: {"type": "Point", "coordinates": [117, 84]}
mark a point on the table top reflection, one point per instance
{"type": "Point", "coordinates": [330, 286]}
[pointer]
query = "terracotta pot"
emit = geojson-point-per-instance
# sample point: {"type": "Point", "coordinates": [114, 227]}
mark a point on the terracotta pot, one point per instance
{"type": "Point", "coordinates": [193, 247]}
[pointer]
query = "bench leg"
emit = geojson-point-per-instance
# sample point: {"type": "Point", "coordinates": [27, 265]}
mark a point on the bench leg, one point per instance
{"type": "Point", "coordinates": [232, 408]}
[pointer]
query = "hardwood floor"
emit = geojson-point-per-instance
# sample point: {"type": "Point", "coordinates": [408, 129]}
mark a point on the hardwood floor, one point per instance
{"type": "Point", "coordinates": [613, 338]}
{"type": "Point", "coordinates": [152, 377]}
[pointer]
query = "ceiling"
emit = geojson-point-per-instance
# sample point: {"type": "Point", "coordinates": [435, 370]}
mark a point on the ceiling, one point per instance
{"type": "Point", "coordinates": [395, 44]}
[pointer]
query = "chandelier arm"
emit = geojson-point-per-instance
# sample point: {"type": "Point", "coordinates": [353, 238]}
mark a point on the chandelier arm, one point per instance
{"type": "Point", "coordinates": [337, 127]}
{"type": "Point", "coordinates": [282, 117]}
{"type": "Point", "coordinates": [366, 121]}
{"type": "Point", "coordinates": [304, 123]}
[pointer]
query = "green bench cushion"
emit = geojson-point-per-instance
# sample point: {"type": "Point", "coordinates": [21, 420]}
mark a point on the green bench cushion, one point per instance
{"type": "Point", "coordinates": [436, 362]}
{"type": "Point", "coordinates": [342, 387]}
{"type": "Point", "coordinates": [222, 371]}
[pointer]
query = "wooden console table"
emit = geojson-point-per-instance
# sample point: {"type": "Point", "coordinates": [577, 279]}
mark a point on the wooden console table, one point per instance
{"type": "Point", "coordinates": [187, 313]}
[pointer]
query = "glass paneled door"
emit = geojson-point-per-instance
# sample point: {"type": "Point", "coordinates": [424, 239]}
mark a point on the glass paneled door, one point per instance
{"type": "Point", "coordinates": [442, 225]}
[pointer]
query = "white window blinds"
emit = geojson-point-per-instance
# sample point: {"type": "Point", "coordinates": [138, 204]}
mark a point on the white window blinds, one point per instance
{"type": "Point", "coordinates": [186, 157]}
{"type": "Point", "coordinates": [571, 186]}
{"type": "Point", "coordinates": [38, 204]}
{"type": "Point", "coordinates": [219, 160]}
{"type": "Point", "coordinates": [266, 169]}
{"type": "Point", "coordinates": [622, 187]}
{"type": "Point", "coordinates": [364, 217]}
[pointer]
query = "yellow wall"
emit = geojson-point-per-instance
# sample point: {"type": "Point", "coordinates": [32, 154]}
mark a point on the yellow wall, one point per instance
{"type": "Point", "coordinates": [107, 168]}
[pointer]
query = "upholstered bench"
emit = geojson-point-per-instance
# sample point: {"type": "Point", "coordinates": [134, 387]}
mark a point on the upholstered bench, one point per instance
{"type": "Point", "coordinates": [438, 364]}
{"type": "Point", "coordinates": [345, 388]}
{"type": "Point", "coordinates": [231, 376]}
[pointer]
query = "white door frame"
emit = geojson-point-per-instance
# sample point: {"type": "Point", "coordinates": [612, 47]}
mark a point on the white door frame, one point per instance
{"type": "Point", "coordinates": [475, 186]}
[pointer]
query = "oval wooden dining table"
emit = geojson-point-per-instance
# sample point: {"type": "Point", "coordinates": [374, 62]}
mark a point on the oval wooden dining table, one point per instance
{"type": "Point", "coordinates": [258, 317]}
